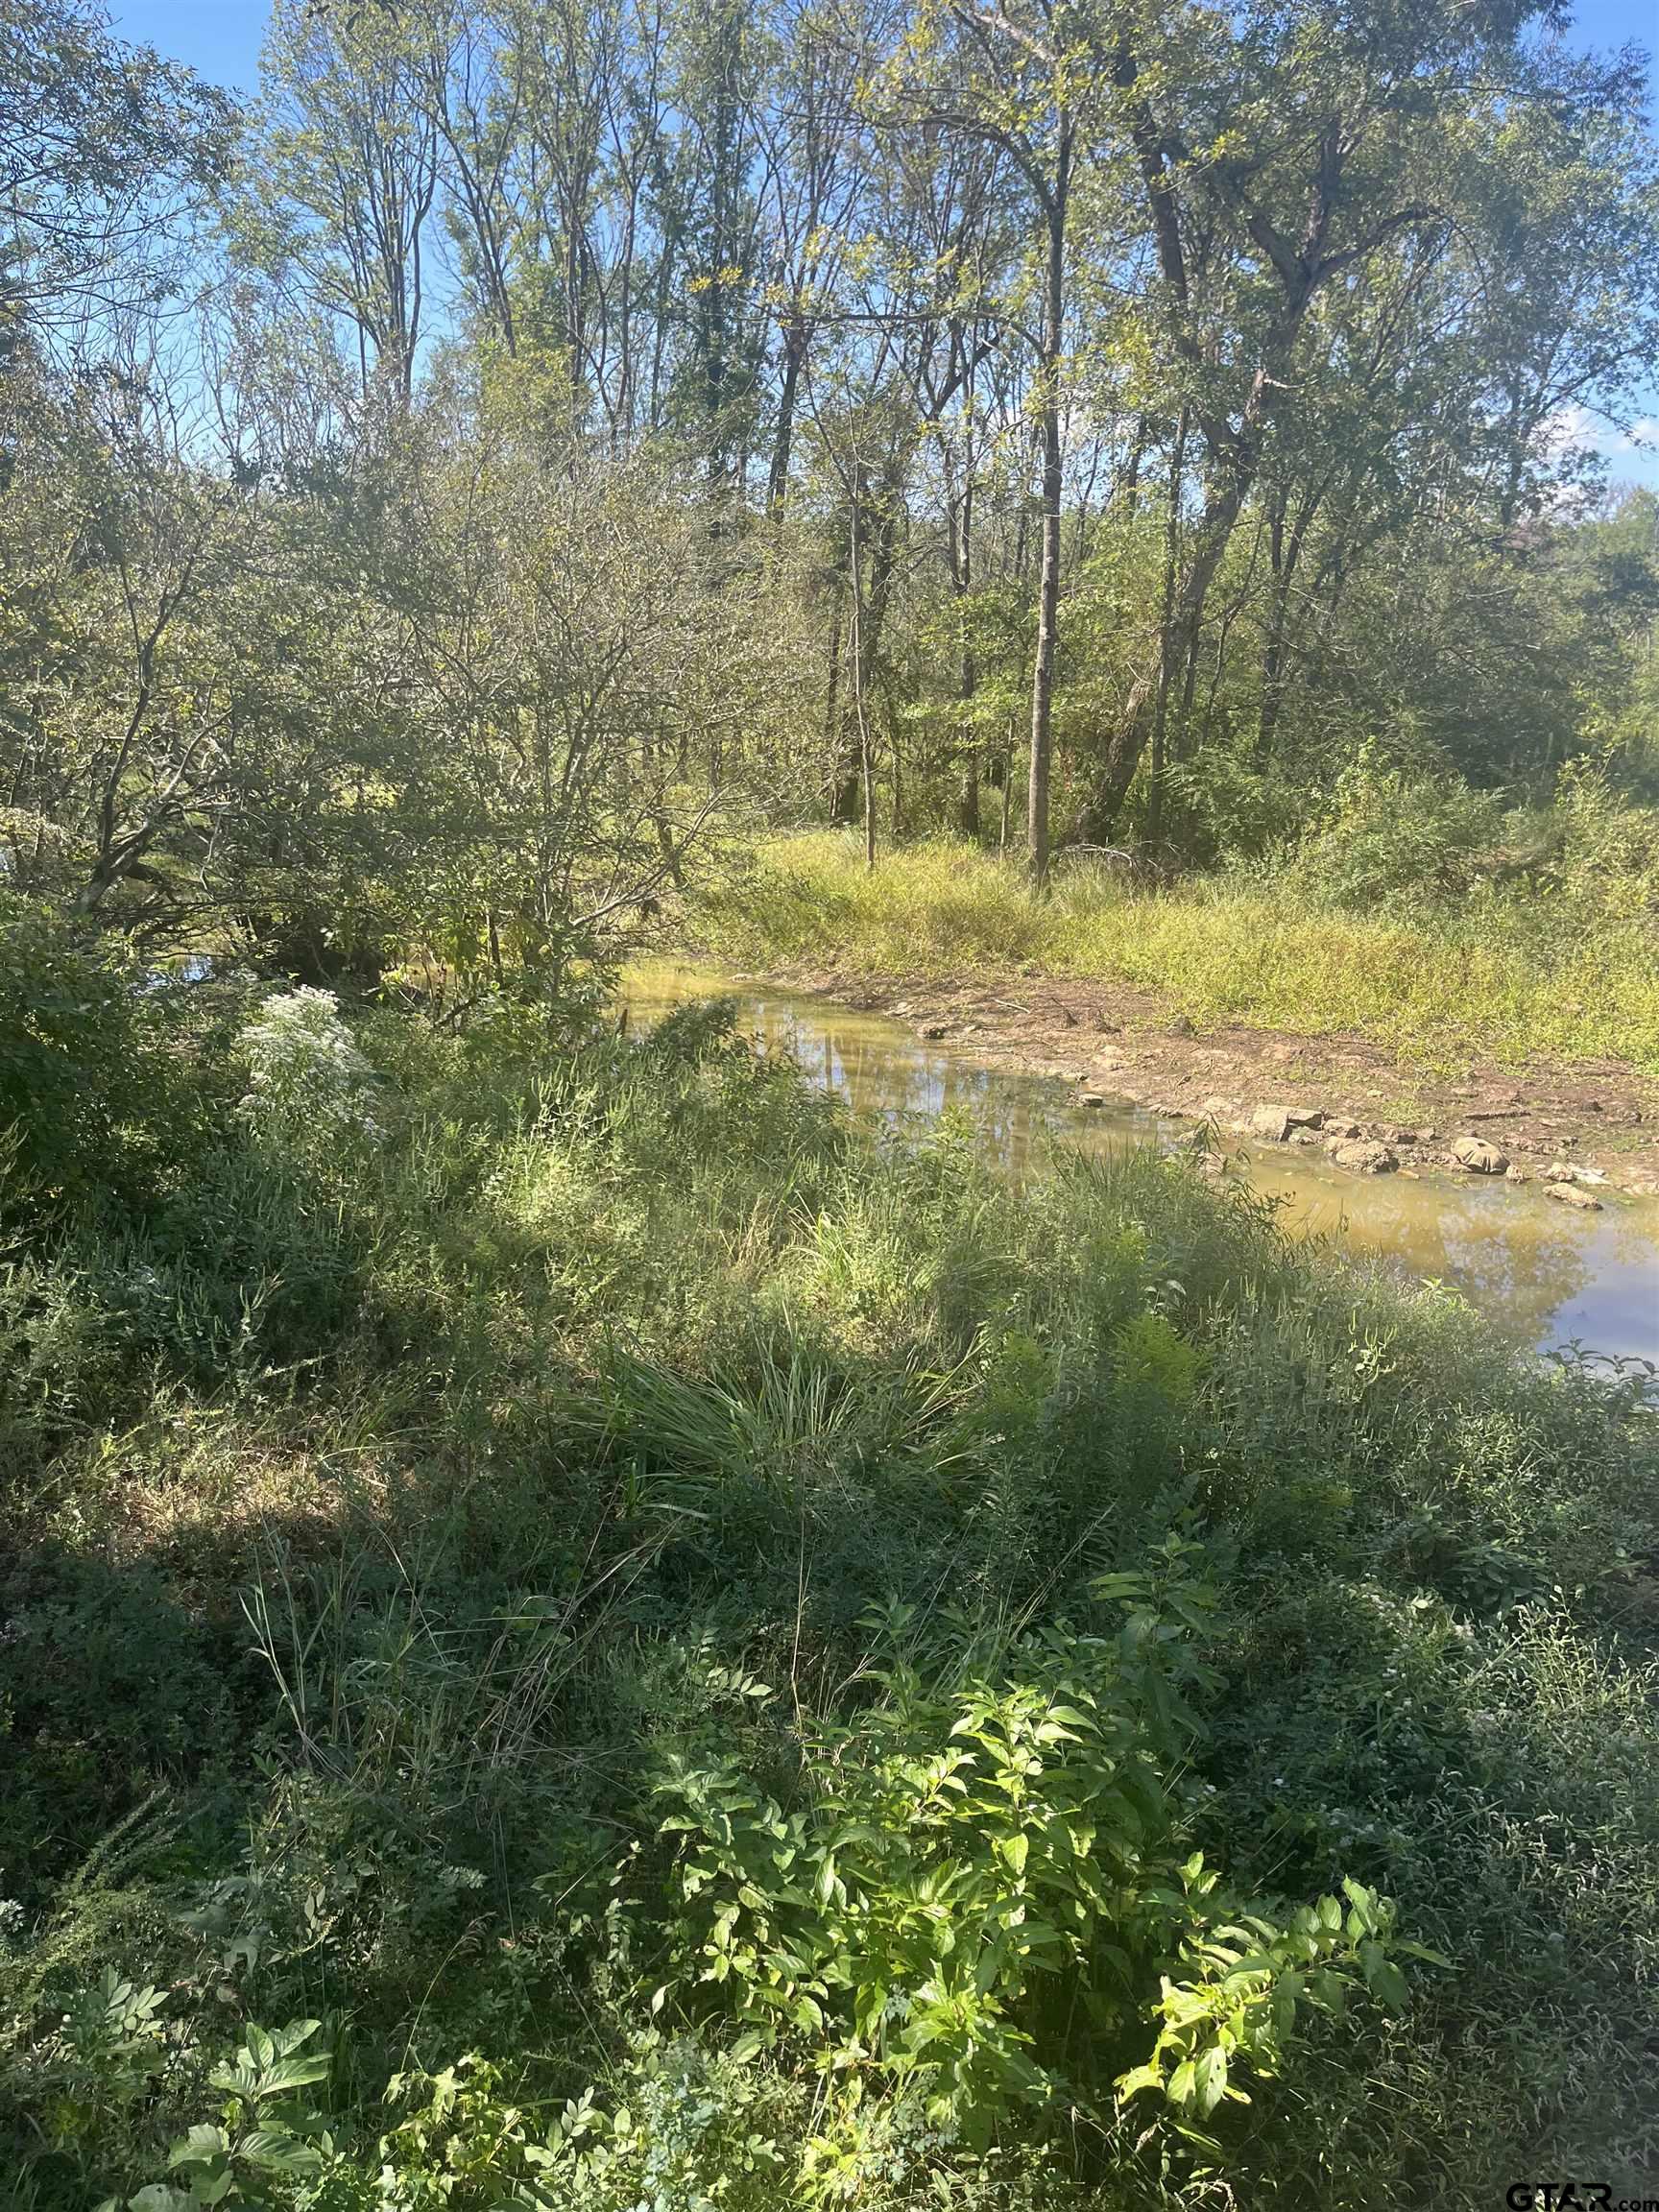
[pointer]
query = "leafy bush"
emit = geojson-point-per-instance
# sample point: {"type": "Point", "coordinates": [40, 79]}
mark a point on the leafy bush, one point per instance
{"type": "Point", "coordinates": [1389, 834]}
{"type": "Point", "coordinates": [94, 1101]}
{"type": "Point", "coordinates": [981, 1900]}
{"type": "Point", "coordinates": [1609, 858]}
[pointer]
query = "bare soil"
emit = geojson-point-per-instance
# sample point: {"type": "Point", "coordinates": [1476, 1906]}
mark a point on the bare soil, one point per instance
{"type": "Point", "coordinates": [1596, 1117]}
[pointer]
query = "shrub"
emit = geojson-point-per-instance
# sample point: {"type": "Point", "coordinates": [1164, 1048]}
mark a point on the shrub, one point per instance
{"type": "Point", "coordinates": [1389, 834]}
{"type": "Point", "coordinates": [95, 1101]}
{"type": "Point", "coordinates": [980, 1899]}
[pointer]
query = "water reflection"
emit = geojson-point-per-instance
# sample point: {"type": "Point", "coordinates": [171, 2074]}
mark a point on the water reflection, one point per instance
{"type": "Point", "coordinates": [1549, 1274]}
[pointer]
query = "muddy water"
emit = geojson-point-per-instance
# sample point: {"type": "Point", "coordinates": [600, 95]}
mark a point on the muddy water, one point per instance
{"type": "Point", "coordinates": [1549, 1275]}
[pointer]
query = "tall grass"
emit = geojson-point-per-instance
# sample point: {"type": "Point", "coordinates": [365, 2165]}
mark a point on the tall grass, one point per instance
{"type": "Point", "coordinates": [1505, 977]}
{"type": "Point", "coordinates": [507, 1660]}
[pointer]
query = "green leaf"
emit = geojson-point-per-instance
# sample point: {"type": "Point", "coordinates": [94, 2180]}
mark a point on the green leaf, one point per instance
{"type": "Point", "coordinates": [1211, 2075]}
{"type": "Point", "coordinates": [293, 2073]}
{"type": "Point", "coordinates": [201, 2144]}
{"type": "Point", "coordinates": [279, 2151]}
{"type": "Point", "coordinates": [1385, 1981]}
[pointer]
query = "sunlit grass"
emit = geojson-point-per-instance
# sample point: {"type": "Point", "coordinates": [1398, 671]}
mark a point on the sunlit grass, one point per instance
{"type": "Point", "coordinates": [1500, 979]}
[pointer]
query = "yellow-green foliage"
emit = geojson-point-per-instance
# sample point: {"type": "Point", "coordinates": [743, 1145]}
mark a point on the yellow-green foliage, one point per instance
{"type": "Point", "coordinates": [1502, 976]}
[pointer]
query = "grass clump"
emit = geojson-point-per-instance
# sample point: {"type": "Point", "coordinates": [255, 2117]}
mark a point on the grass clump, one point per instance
{"type": "Point", "coordinates": [1509, 974]}
{"type": "Point", "coordinates": [577, 1631]}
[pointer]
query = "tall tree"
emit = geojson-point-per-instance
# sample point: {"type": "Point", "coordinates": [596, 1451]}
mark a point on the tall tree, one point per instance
{"type": "Point", "coordinates": [105, 154]}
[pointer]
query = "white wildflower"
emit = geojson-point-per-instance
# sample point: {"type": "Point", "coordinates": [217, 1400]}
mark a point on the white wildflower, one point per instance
{"type": "Point", "coordinates": [306, 1078]}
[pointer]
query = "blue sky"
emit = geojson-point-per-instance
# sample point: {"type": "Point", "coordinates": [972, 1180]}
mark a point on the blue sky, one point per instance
{"type": "Point", "coordinates": [222, 42]}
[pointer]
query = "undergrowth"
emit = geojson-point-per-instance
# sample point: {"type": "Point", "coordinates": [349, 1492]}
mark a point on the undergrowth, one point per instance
{"type": "Point", "coordinates": [1506, 972]}
{"type": "Point", "coordinates": [578, 1632]}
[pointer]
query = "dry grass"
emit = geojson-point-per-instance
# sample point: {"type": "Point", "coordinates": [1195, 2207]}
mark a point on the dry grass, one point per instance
{"type": "Point", "coordinates": [1502, 982]}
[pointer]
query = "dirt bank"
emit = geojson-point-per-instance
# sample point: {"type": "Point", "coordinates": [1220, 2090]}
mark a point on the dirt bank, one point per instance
{"type": "Point", "coordinates": [1371, 1110]}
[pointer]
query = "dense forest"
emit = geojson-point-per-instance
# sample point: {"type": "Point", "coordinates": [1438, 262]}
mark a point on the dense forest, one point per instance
{"type": "Point", "coordinates": [581, 1629]}
{"type": "Point", "coordinates": [521, 449]}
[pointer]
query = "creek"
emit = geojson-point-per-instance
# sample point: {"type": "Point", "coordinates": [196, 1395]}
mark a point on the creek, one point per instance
{"type": "Point", "coordinates": [1547, 1275]}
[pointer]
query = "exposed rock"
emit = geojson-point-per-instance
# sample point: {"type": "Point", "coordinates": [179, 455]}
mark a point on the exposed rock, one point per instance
{"type": "Point", "coordinates": [932, 1029]}
{"type": "Point", "coordinates": [1091, 1098]}
{"type": "Point", "coordinates": [1516, 1175]}
{"type": "Point", "coordinates": [1216, 1109]}
{"type": "Point", "coordinates": [1570, 1195]}
{"type": "Point", "coordinates": [1340, 1130]}
{"type": "Point", "coordinates": [1479, 1155]}
{"type": "Point", "coordinates": [1364, 1156]}
{"type": "Point", "coordinates": [1569, 1172]}
{"type": "Point", "coordinates": [1271, 1123]}
{"type": "Point", "coordinates": [1303, 1137]}
{"type": "Point", "coordinates": [1304, 1116]}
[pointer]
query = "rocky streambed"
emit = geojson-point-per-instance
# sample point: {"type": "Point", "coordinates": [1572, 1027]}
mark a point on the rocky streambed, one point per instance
{"type": "Point", "coordinates": [1581, 1131]}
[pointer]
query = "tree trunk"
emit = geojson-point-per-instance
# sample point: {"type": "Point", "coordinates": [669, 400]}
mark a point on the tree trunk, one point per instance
{"type": "Point", "coordinates": [1284, 551]}
{"type": "Point", "coordinates": [778, 478]}
{"type": "Point", "coordinates": [1048, 578]}
{"type": "Point", "coordinates": [861, 659]}
{"type": "Point", "coordinates": [1129, 741]}
{"type": "Point", "coordinates": [966, 672]}
{"type": "Point", "coordinates": [1171, 568]}
{"type": "Point", "coordinates": [841, 783]}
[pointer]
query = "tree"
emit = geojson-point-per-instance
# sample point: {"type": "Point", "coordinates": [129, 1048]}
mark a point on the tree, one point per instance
{"type": "Point", "coordinates": [344, 193]}
{"type": "Point", "coordinates": [107, 156]}
{"type": "Point", "coordinates": [1021, 79]}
